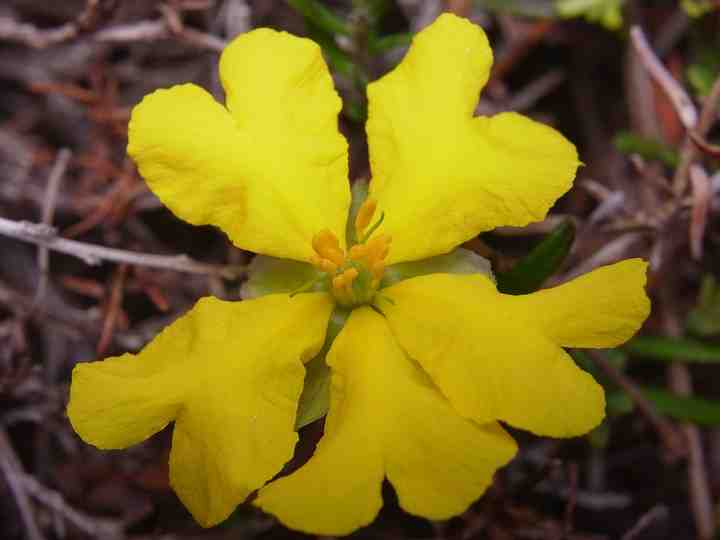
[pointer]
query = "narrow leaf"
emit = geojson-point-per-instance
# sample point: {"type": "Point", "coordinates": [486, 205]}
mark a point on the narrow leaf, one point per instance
{"type": "Point", "coordinates": [531, 272]}
{"type": "Point", "coordinates": [630, 143]}
{"type": "Point", "coordinates": [668, 349]}
{"type": "Point", "coordinates": [321, 16]}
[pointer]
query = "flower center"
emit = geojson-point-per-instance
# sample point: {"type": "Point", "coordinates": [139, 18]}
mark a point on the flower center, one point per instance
{"type": "Point", "coordinates": [353, 276]}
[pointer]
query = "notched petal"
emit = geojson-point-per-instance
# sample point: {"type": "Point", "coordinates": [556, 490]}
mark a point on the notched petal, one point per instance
{"type": "Point", "coordinates": [442, 176]}
{"type": "Point", "coordinates": [385, 419]}
{"type": "Point", "coordinates": [230, 374]}
{"type": "Point", "coordinates": [499, 356]}
{"type": "Point", "coordinates": [271, 169]}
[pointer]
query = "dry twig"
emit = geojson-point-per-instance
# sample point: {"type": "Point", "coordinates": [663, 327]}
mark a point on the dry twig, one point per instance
{"type": "Point", "coordinates": [168, 27]}
{"type": "Point", "coordinates": [684, 106]}
{"type": "Point", "coordinates": [689, 153]}
{"type": "Point", "coordinates": [701, 195]}
{"type": "Point", "coordinates": [43, 235]}
{"type": "Point", "coordinates": [656, 513]}
{"type": "Point", "coordinates": [11, 469]}
{"type": "Point", "coordinates": [48, 211]}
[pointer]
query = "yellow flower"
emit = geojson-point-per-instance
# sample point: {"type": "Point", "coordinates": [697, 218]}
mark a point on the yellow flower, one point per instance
{"type": "Point", "coordinates": [424, 368]}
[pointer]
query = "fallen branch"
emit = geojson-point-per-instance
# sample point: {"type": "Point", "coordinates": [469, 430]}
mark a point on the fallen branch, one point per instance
{"type": "Point", "coordinates": [46, 236]}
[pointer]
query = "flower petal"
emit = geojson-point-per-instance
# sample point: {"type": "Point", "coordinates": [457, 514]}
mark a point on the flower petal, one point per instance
{"type": "Point", "coordinates": [603, 308]}
{"type": "Point", "coordinates": [442, 176]}
{"type": "Point", "coordinates": [232, 372]}
{"type": "Point", "coordinates": [385, 417]}
{"type": "Point", "coordinates": [498, 356]}
{"type": "Point", "coordinates": [189, 151]}
{"type": "Point", "coordinates": [122, 401]}
{"type": "Point", "coordinates": [272, 170]}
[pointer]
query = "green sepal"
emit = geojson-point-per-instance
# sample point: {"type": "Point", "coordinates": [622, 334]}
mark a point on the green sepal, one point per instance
{"type": "Point", "coordinates": [315, 398]}
{"type": "Point", "coordinates": [272, 275]}
{"type": "Point", "coordinates": [359, 192]}
{"type": "Point", "coordinates": [458, 261]}
{"type": "Point", "coordinates": [530, 273]}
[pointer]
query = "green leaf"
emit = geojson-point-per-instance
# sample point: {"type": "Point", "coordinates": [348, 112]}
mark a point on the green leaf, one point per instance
{"type": "Point", "coordinates": [321, 16]}
{"type": "Point", "coordinates": [696, 410]}
{"type": "Point", "coordinates": [315, 398]}
{"type": "Point", "coordinates": [705, 66]}
{"type": "Point", "coordinates": [697, 8]}
{"type": "Point", "coordinates": [458, 261]}
{"type": "Point", "coordinates": [618, 402]}
{"type": "Point", "coordinates": [339, 61]}
{"type": "Point", "coordinates": [688, 409]}
{"type": "Point", "coordinates": [667, 349]}
{"type": "Point", "coordinates": [543, 261]}
{"type": "Point", "coordinates": [381, 44]}
{"type": "Point", "coordinates": [605, 12]}
{"type": "Point", "coordinates": [651, 149]}
{"type": "Point", "coordinates": [271, 275]}
{"type": "Point", "coordinates": [524, 8]}
{"type": "Point", "coordinates": [704, 319]}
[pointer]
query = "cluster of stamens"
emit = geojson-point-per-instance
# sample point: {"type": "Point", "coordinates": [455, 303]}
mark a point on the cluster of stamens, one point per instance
{"type": "Point", "coordinates": [354, 276]}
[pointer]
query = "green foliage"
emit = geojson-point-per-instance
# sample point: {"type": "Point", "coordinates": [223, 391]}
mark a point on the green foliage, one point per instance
{"type": "Point", "coordinates": [702, 75]}
{"type": "Point", "coordinates": [321, 16]}
{"type": "Point", "coordinates": [689, 409]}
{"type": "Point", "coordinates": [360, 39]}
{"type": "Point", "coordinates": [704, 319]}
{"type": "Point", "coordinates": [650, 149]}
{"type": "Point", "coordinates": [526, 8]}
{"type": "Point", "coordinates": [696, 410]}
{"type": "Point", "coordinates": [697, 8]}
{"type": "Point", "coordinates": [667, 349]}
{"type": "Point", "coordinates": [530, 273]}
{"type": "Point", "coordinates": [704, 66]}
{"type": "Point", "coordinates": [605, 12]}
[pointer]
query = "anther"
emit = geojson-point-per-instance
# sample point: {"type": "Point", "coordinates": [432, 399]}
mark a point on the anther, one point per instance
{"type": "Point", "coordinates": [326, 244]}
{"type": "Point", "coordinates": [377, 269]}
{"type": "Point", "coordinates": [358, 251]}
{"type": "Point", "coordinates": [378, 248]}
{"type": "Point", "coordinates": [338, 282]}
{"type": "Point", "coordinates": [364, 216]}
{"type": "Point", "coordinates": [350, 275]}
{"type": "Point", "coordinates": [328, 266]}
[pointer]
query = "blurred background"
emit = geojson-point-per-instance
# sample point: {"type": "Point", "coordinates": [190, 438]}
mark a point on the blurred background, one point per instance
{"type": "Point", "coordinates": [633, 83]}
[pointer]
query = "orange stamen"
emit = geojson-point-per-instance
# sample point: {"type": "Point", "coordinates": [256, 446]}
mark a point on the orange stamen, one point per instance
{"type": "Point", "coordinates": [364, 216]}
